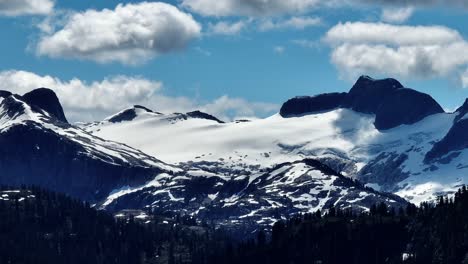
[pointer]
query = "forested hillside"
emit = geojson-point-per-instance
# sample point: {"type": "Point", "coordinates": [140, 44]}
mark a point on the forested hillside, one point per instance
{"type": "Point", "coordinates": [39, 226]}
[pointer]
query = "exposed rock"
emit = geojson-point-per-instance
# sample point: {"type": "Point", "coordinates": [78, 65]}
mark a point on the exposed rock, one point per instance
{"type": "Point", "coordinates": [367, 94]}
{"type": "Point", "coordinates": [306, 104]}
{"type": "Point", "coordinates": [4, 94]}
{"type": "Point", "coordinates": [404, 107]}
{"type": "Point", "coordinates": [384, 170]}
{"type": "Point", "coordinates": [259, 200]}
{"type": "Point", "coordinates": [202, 115]}
{"type": "Point", "coordinates": [33, 155]}
{"type": "Point", "coordinates": [391, 104]}
{"type": "Point", "coordinates": [456, 139]}
{"type": "Point", "coordinates": [47, 100]}
{"type": "Point", "coordinates": [462, 110]}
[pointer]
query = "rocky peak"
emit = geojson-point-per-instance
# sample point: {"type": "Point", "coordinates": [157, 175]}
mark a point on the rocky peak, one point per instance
{"type": "Point", "coordinates": [404, 107]}
{"type": "Point", "coordinates": [130, 114]}
{"type": "Point", "coordinates": [202, 115]}
{"type": "Point", "coordinates": [387, 99]}
{"type": "Point", "coordinates": [309, 104]}
{"type": "Point", "coordinates": [462, 111]}
{"type": "Point", "coordinates": [367, 94]}
{"type": "Point", "coordinates": [47, 100]}
{"type": "Point", "coordinates": [4, 94]}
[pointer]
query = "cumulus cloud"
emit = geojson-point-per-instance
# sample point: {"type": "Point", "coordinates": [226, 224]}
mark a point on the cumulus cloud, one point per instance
{"type": "Point", "coordinates": [249, 7]}
{"type": "Point", "coordinates": [396, 15]}
{"type": "Point", "coordinates": [381, 33]}
{"type": "Point", "coordinates": [129, 34]}
{"type": "Point", "coordinates": [419, 3]}
{"type": "Point", "coordinates": [400, 51]}
{"type": "Point", "coordinates": [92, 101]}
{"type": "Point", "coordinates": [290, 23]}
{"type": "Point", "coordinates": [464, 79]}
{"type": "Point", "coordinates": [226, 28]}
{"type": "Point", "coordinates": [26, 7]}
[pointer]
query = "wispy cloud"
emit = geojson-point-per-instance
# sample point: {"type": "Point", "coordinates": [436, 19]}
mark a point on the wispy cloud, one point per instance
{"type": "Point", "coordinates": [26, 7]}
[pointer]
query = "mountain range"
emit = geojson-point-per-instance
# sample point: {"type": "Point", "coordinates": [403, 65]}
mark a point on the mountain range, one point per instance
{"type": "Point", "coordinates": [378, 143]}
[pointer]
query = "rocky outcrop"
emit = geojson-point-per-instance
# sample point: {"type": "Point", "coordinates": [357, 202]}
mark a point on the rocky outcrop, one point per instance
{"type": "Point", "coordinates": [367, 94]}
{"type": "Point", "coordinates": [47, 100]}
{"type": "Point", "coordinates": [4, 94]}
{"type": "Point", "coordinates": [391, 103]}
{"type": "Point", "coordinates": [32, 155]}
{"type": "Point", "coordinates": [455, 140]}
{"type": "Point", "coordinates": [40, 148]}
{"type": "Point", "coordinates": [202, 115]}
{"type": "Point", "coordinates": [309, 104]}
{"type": "Point", "coordinates": [404, 107]}
{"type": "Point", "coordinates": [462, 111]}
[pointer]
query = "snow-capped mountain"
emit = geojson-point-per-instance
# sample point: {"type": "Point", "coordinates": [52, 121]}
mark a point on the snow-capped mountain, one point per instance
{"type": "Point", "coordinates": [261, 198]}
{"type": "Point", "coordinates": [219, 174]}
{"type": "Point", "coordinates": [389, 137]}
{"type": "Point", "coordinates": [39, 146]}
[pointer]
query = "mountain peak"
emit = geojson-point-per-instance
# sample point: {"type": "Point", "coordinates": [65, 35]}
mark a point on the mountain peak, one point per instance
{"type": "Point", "coordinates": [387, 99]}
{"type": "Point", "coordinates": [367, 93]}
{"type": "Point", "coordinates": [47, 100]}
{"type": "Point", "coordinates": [4, 94]}
{"type": "Point", "coordinates": [202, 115]}
{"type": "Point", "coordinates": [130, 114]}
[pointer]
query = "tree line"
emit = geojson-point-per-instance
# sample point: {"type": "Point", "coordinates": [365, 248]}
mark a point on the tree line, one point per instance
{"type": "Point", "coordinates": [39, 226]}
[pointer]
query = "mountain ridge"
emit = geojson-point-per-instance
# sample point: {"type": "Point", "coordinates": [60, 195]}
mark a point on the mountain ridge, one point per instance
{"type": "Point", "coordinates": [392, 103]}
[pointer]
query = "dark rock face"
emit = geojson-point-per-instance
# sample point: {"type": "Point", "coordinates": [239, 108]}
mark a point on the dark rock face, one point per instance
{"type": "Point", "coordinates": [456, 139]}
{"type": "Point", "coordinates": [33, 155]}
{"type": "Point", "coordinates": [202, 115]}
{"type": "Point", "coordinates": [306, 104]}
{"type": "Point", "coordinates": [129, 114]}
{"type": "Point", "coordinates": [12, 107]}
{"type": "Point", "coordinates": [403, 107]}
{"type": "Point", "coordinates": [47, 100]}
{"type": "Point", "coordinates": [462, 110]}
{"type": "Point", "coordinates": [384, 170]}
{"type": "Point", "coordinates": [392, 104]}
{"type": "Point", "coordinates": [4, 94]}
{"type": "Point", "coordinates": [367, 94]}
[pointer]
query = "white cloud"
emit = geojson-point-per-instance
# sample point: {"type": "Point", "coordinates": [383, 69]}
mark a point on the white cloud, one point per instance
{"type": "Point", "coordinates": [464, 79]}
{"type": "Point", "coordinates": [418, 3]}
{"type": "Point", "coordinates": [279, 49]}
{"type": "Point", "coordinates": [226, 28]}
{"type": "Point", "coordinates": [396, 15]}
{"type": "Point", "coordinates": [249, 7]}
{"type": "Point", "coordinates": [130, 34]}
{"type": "Point", "coordinates": [381, 33]}
{"type": "Point", "coordinates": [26, 7]}
{"type": "Point", "coordinates": [299, 23]}
{"type": "Point", "coordinates": [400, 51]}
{"type": "Point", "coordinates": [83, 101]}
{"type": "Point", "coordinates": [239, 107]}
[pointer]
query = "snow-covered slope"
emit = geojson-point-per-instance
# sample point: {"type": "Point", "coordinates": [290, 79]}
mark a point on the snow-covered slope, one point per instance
{"type": "Point", "coordinates": [346, 140]}
{"type": "Point", "coordinates": [39, 148]}
{"type": "Point", "coordinates": [250, 200]}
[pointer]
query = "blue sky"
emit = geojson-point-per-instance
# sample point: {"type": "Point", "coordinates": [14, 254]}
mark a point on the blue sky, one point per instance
{"type": "Point", "coordinates": [242, 61]}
